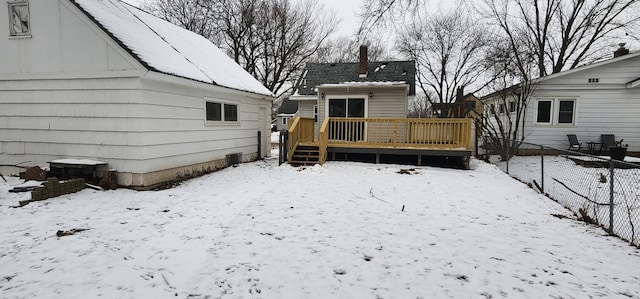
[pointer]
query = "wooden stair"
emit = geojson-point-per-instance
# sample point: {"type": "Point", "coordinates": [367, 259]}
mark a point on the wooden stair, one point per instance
{"type": "Point", "coordinates": [305, 155]}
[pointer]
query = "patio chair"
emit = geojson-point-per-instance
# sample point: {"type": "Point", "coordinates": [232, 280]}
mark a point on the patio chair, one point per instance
{"type": "Point", "coordinates": [574, 145]}
{"type": "Point", "coordinates": [608, 140]}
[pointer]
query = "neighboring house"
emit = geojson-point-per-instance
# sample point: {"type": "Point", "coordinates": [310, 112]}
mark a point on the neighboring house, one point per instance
{"type": "Point", "coordinates": [286, 112]}
{"type": "Point", "coordinates": [103, 80]}
{"type": "Point", "coordinates": [471, 107]}
{"type": "Point", "coordinates": [361, 89]}
{"type": "Point", "coordinates": [601, 98]}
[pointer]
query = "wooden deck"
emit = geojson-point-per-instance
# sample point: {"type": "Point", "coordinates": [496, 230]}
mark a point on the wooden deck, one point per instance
{"type": "Point", "coordinates": [383, 136]}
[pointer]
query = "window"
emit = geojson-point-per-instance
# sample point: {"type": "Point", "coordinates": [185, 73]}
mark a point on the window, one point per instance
{"type": "Point", "coordinates": [230, 112]}
{"type": "Point", "coordinates": [284, 121]}
{"type": "Point", "coordinates": [315, 113]}
{"type": "Point", "coordinates": [19, 24]}
{"type": "Point", "coordinates": [556, 111]}
{"type": "Point", "coordinates": [544, 112]}
{"type": "Point", "coordinates": [470, 105]}
{"type": "Point", "coordinates": [501, 108]}
{"type": "Point", "coordinates": [493, 109]}
{"type": "Point", "coordinates": [214, 111]}
{"type": "Point", "coordinates": [512, 106]}
{"type": "Point", "coordinates": [221, 111]}
{"type": "Point", "coordinates": [351, 107]}
{"type": "Point", "coordinates": [565, 111]}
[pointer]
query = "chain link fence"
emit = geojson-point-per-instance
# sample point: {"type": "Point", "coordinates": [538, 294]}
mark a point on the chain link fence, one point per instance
{"type": "Point", "coordinates": [597, 189]}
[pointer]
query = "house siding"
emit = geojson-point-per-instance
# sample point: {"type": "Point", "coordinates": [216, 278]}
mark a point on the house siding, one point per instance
{"type": "Point", "coordinates": [63, 44]}
{"type": "Point", "coordinates": [608, 106]}
{"type": "Point", "coordinates": [597, 112]}
{"type": "Point", "coordinates": [69, 91]}
{"type": "Point", "coordinates": [385, 102]}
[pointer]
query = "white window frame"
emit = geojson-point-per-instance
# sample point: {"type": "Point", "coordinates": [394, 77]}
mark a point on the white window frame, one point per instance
{"type": "Point", "coordinates": [555, 111]}
{"type": "Point", "coordinates": [573, 113]}
{"type": "Point", "coordinates": [535, 116]}
{"type": "Point", "coordinates": [222, 112]}
{"type": "Point", "coordinates": [10, 10]}
{"type": "Point", "coordinates": [350, 96]}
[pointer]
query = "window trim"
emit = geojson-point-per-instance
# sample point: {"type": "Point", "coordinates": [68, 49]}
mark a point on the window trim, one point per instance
{"type": "Point", "coordinates": [12, 33]}
{"type": "Point", "coordinates": [554, 119]}
{"type": "Point", "coordinates": [347, 97]}
{"type": "Point", "coordinates": [223, 117]}
{"type": "Point", "coordinates": [573, 112]}
{"type": "Point", "coordinates": [551, 108]}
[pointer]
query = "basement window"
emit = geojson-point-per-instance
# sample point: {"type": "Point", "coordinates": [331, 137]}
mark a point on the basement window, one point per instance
{"type": "Point", "coordinates": [221, 112]}
{"type": "Point", "coordinates": [19, 22]}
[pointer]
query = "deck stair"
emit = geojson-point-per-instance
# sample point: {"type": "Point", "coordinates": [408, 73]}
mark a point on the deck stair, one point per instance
{"type": "Point", "coordinates": [305, 155]}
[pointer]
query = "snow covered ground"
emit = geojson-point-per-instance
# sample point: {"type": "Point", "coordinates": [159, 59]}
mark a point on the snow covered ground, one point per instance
{"type": "Point", "coordinates": [342, 230]}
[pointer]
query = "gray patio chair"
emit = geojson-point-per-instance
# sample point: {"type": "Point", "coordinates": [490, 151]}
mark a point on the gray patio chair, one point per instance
{"type": "Point", "coordinates": [574, 145]}
{"type": "Point", "coordinates": [608, 140]}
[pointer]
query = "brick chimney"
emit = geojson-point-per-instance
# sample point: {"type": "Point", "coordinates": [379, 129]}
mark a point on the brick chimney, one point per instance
{"type": "Point", "coordinates": [621, 51]}
{"type": "Point", "coordinates": [364, 62]}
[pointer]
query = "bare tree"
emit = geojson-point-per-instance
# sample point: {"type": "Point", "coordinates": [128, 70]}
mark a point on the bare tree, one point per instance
{"type": "Point", "coordinates": [198, 16]}
{"type": "Point", "coordinates": [375, 13]}
{"type": "Point", "coordinates": [449, 51]}
{"type": "Point", "coordinates": [503, 121]}
{"type": "Point", "coordinates": [562, 34]}
{"type": "Point", "coordinates": [346, 49]}
{"type": "Point", "coordinates": [420, 106]}
{"type": "Point", "coordinates": [271, 39]}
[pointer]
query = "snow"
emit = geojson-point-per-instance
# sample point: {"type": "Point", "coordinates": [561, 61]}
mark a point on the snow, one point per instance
{"type": "Point", "coordinates": [366, 83]}
{"type": "Point", "coordinates": [169, 48]}
{"type": "Point", "coordinates": [341, 230]}
{"type": "Point", "coordinates": [78, 162]}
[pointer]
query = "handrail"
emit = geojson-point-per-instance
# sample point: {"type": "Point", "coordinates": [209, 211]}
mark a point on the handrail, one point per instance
{"type": "Point", "coordinates": [294, 137]}
{"type": "Point", "coordinates": [300, 130]}
{"type": "Point", "coordinates": [323, 137]}
{"type": "Point", "coordinates": [432, 133]}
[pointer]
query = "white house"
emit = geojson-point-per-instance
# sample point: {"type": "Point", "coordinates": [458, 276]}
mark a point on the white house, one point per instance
{"type": "Point", "coordinates": [600, 98]}
{"type": "Point", "coordinates": [103, 80]}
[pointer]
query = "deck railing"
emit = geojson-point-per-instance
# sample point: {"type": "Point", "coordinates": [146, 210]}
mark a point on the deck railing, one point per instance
{"type": "Point", "coordinates": [432, 133]}
{"type": "Point", "coordinates": [300, 130]}
{"type": "Point", "coordinates": [323, 140]}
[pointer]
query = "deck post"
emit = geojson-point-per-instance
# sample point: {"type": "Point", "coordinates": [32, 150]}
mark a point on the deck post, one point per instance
{"type": "Point", "coordinates": [395, 133]}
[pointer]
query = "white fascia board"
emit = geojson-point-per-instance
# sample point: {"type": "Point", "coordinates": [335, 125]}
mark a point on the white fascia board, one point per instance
{"type": "Point", "coordinates": [304, 98]}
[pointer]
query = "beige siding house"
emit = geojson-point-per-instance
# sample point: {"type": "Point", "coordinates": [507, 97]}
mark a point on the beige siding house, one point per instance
{"type": "Point", "coordinates": [361, 89]}
{"type": "Point", "coordinates": [103, 80]}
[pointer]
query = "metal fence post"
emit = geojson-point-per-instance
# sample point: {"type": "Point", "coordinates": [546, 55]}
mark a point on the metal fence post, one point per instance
{"type": "Point", "coordinates": [280, 148]}
{"type": "Point", "coordinates": [611, 206]}
{"type": "Point", "coordinates": [506, 142]}
{"type": "Point", "coordinates": [542, 168]}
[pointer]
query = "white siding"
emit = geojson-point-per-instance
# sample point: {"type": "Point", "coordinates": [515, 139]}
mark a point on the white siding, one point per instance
{"type": "Point", "coordinates": [606, 107]}
{"type": "Point", "coordinates": [70, 92]}
{"type": "Point", "coordinates": [385, 102]}
{"type": "Point", "coordinates": [64, 44]}
{"type": "Point", "coordinates": [597, 112]}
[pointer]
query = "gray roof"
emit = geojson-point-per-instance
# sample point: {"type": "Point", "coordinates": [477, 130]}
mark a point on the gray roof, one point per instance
{"type": "Point", "coordinates": [316, 74]}
{"type": "Point", "coordinates": [288, 107]}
